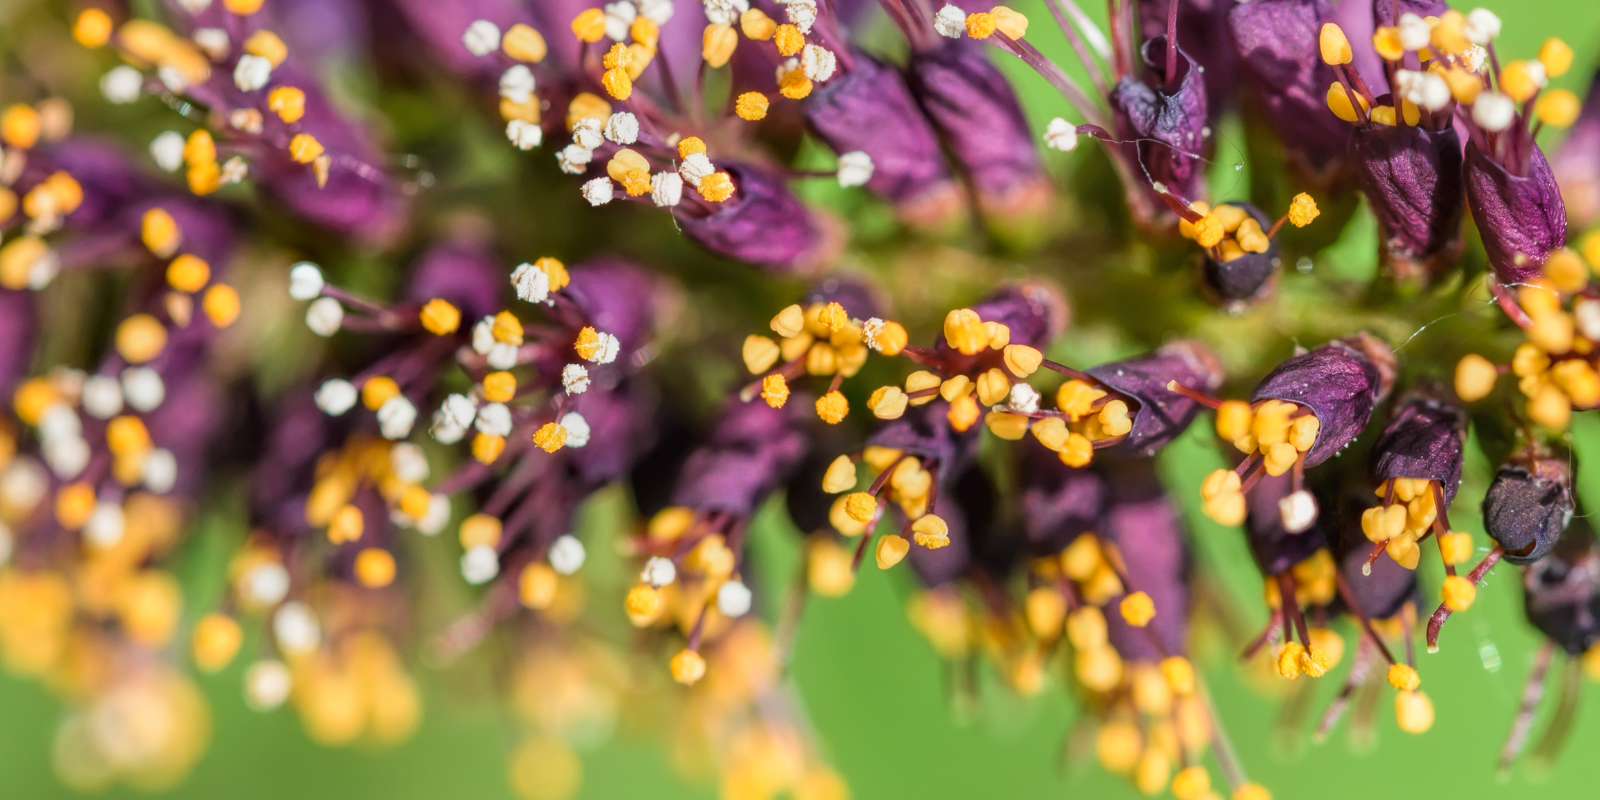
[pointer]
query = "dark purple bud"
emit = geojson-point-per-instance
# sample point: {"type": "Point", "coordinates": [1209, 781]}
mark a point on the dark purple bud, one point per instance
{"type": "Point", "coordinates": [1274, 547]}
{"type": "Point", "coordinates": [1144, 526]}
{"type": "Point", "coordinates": [1423, 441]}
{"type": "Point", "coordinates": [1412, 179]}
{"type": "Point", "coordinates": [16, 338]}
{"type": "Point", "coordinates": [1246, 278]}
{"type": "Point", "coordinates": [1561, 594]}
{"type": "Point", "coordinates": [1280, 58]}
{"type": "Point", "coordinates": [1203, 34]}
{"type": "Point", "coordinates": [1577, 162]}
{"type": "Point", "coordinates": [859, 298]}
{"type": "Point", "coordinates": [1521, 217]}
{"type": "Point", "coordinates": [923, 432]}
{"type": "Point", "coordinates": [762, 224]}
{"type": "Point", "coordinates": [1340, 382]}
{"type": "Point", "coordinates": [616, 297]}
{"type": "Point", "coordinates": [359, 199]}
{"type": "Point", "coordinates": [1159, 414]}
{"type": "Point", "coordinates": [1528, 506]}
{"type": "Point", "coordinates": [869, 109]}
{"type": "Point", "coordinates": [1162, 120]}
{"type": "Point", "coordinates": [1382, 592]}
{"type": "Point", "coordinates": [973, 106]}
{"type": "Point", "coordinates": [1059, 503]}
{"type": "Point", "coordinates": [752, 450]}
{"type": "Point", "coordinates": [463, 273]}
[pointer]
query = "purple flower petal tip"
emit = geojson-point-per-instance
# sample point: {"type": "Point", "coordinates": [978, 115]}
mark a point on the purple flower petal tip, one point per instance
{"type": "Point", "coordinates": [1423, 440]}
{"type": "Point", "coordinates": [1341, 382]}
{"type": "Point", "coordinates": [1520, 217]}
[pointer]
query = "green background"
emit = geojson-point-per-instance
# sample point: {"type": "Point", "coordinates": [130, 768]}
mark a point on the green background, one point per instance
{"type": "Point", "coordinates": [878, 696]}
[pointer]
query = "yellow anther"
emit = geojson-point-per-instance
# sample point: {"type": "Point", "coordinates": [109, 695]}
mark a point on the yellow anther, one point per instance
{"type": "Point", "coordinates": [1458, 593]}
{"type": "Point", "coordinates": [775, 390]}
{"type": "Point", "coordinates": [1251, 238]}
{"type": "Point", "coordinates": [1077, 451]}
{"type": "Point", "coordinates": [1011, 427]}
{"type": "Point", "coordinates": [1179, 674]}
{"type": "Point", "coordinates": [828, 568]}
{"type": "Point", "coordinates": [1449, 33]}
{"type": "Point", "coordinates": [980, 25]}
{"type": "Point", "coordinates": [840, 476]}
{"type": "Point", "coordinates": [415, 502]}
{"type": "Point", "coordinates": [480, 530]}
{"type": "Point", "coordinates": [127, 436]}
{"type": "Point", "coordinates": [617, 57]}
{"type": "Point", "coordinates": [1271, 425]}
{"type": "Point", "coordinates": [795, 85]}
{"type": "Point", "coordinates": [688, 667]}
{"type": "Point", "coordinates": [1220, 482]}
{"type": "Point", "coordinates": [1099, 669]}
{"type": "Point", "coordinates": [717, 45]}
{"type": "Point", "coordinates": [789, 40]}
{"type": "Point", "coordinates": [1381, 523]}
{"type": "Point", "coordinates": [1518, 82]}
{"type": "Point", "coordinates": [1315, 662]}
{"type": "Point", "coordinates": [1117, 746]}
{"type": "Point", "coordinates": [1251, 791]}
{"type": "Point", "coordinates": [1413, 711]}
{"type": "Point", "coordinates": [525, 44]}
{"type": "Point", "coordinates": [965, 332]}
{"type": "Point", "coordinates": [922, 381]}
{"type": "Point", "coordinates": [833, 317]}
{"type": "Point", "coordinates": [267, 45]}
{"type": "Point", "coordinates": [243, 7]}
{"type": "Point", "coordinates": [1383, 115]}
{"type": "Point", "coordinates": [1550, 407]}
{"type": "Point", "coordinates": [550, 437]}
{"type": "Point", "coordinates": [1302, 210]}
{"type": "Point", "coordinates": [1303, 432]}
{"type": "Point", "coordinates": [374, 567]}
{"type": "Point", "coordinates": [140, 338]}
{"type": "Point", "coordinates": [1333, 45]}
{"type": "Point", "coordinates": [757, 25]}
{"type": "Point", "coordinates": [1051, 432]}
{"type": "Point", "coordinates": [643, 603]}
{"type": "Point", "coordinates": [20, 126]}
{"type": "Point", "coordinates": [215, 642]}
{"type": "Point", "coordinates": [378, 390]}
{"type": "Point", "coordinates": [1226, 509]}
{"type": "Point", "coordinates": [751, 106]}
{"type": "Point", "coordinates": [1404, 677]}
{"type": "Point", "coordinates": [958, 386]}
{"type": "Point", "coordinates": [617, 83]}
{"type": "Point", "coordinates": [587, 105]}
{"type": "Point", "coordinates": [1475, 377]}
{"type": "Point", "coordinates": [759, 353]}
{"type": "Point", "coordinates": [1209, 231]}
{"type": "Point", "coordinates": [347, 525]}
{"type": "Point", "coordinates": [499, 387]}
{"type": "Point", "coordinates": [1022, 360]}
{"type": "Point", "coordinates": [288, 102]}
{"type": "Point", "coordinates": [1556, 57]}
{"type": "Point", "coordinates": [832, 408]}
{"type": "Point", "coordinates": [188, 273]}
{"type": "Point", "coordinates": [1234, 418]}
{"type": "Point", "coordinates": [1386, 41]}
{"type": "Point", "coordinates": [1150, 774]}
{"type": "Point", "coordinates": [304, 148]}
{"type": "Point", "coordinates": [507, 329]}
{"type": "Point", "coordinates": [92, 28]}
{"type": "Point", "coordinates": [159, 232]}
{"type": "Point", "coordinates": [221, 305]}
{"type": "Point", "coordinates": [1565, 270]}
{"type": "Point", "coordinates": [1114, 419]}
{"type": "Point", "coordinates": [1076, 399]}
{"type": "Point", "coordinates": [1011, 23]}
{"type": "Point", "coordinates": [1557, 108]}
{"type": "Point", "coordinates": [204, 178]}
{"type": "Point", "coordinates": [537, 585]}
{"type": "Point", "coordinates": [439, 317]}
{"type": "Point", "coordinates": [963, 414]}
{"type": "Point", "coordinates": [1191, 783]}
{"type": "Point", "coordinates": [1290, 663]}
{"type": "Point", "coordinates": [887, 402]}
{"type": "Point", "coordinates": [993, 386]}
{"type": "Point", "coordinates": [486, 447]}
{"type": "Point", "coordinates": [589, 25]}
{"type": "Point", "coordinates": [1464, 85]}
{"type": "Point", "coordinates": [1137, 609]}
{"type": "Point", "coordinates": [1455, 547]}
{"type": "Point", "coordinates": [930, 531]}
{"type": "Point", "coordinates": [716, 187]}
{"type": "Point", "coordinates": [890, 550]}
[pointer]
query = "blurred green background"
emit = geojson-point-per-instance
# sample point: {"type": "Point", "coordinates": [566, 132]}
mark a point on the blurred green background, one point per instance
{"type": "Point", "coordinates": [879, 698]}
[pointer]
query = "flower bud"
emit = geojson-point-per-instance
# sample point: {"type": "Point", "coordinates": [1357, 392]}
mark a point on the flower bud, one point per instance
{"type": "Point", "coordinates": [1520, 214]}
{"type": "Point", "coordinates": [1528, 506]}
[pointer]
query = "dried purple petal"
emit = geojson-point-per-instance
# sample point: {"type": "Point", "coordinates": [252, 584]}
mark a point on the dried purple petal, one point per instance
{"type": "Point", "coordinates": [1159, 414]}
{"type": "Point", "coordinates": [463, 273]}
{"type": "Point", "coordinates": [974, 107]}
{"type": "Point", "coordinates": [1561, 593]}
{"type": "Point", "coordinates": [762, 224]}
{"type": "Point", "coordinates": [868, 108]}
{"type": "Point", "coordinates": [1162, 120]}
{"type": "Point", "coordinates": [1341, 382]}
{"type": "Point", "coordinates": [1423, 440]}
{"type": "Point", "coordinates": [1528, 507]}
{"type": "Point", "coordinates": [1412, 180]}
{"type": "Point", "coordinates": [749, 454]}
{"type": "Point", "coordinates": [1059, 503]}
{"type": "Point", "coordinates": [1278, 53]}
{"type": "Point", "coordinates": [1247, 278]}
{"type": "Point", "coordinates": [1577, 162]}
{"type": "Point", "coordinates": [1521, 217]}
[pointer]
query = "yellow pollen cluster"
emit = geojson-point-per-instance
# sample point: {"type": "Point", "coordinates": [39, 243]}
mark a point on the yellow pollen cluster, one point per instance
{"type": "Point", "coordinates": [1400, 524]}
{"type": "Point", "coordinates": [823, 340]}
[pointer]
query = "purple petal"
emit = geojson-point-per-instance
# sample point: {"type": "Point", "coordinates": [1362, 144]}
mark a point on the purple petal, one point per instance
{"type": "Point", "coordinates": [1164, 129]}
{"type": "Point", "coordinates": [1059, 503]}
{"type": "Point", "coordinates": [1341, 382]}
{"type": "Point", "coordinates": [1203, 34]}
{"type": "Point", "coordinates": [1161, 415]}
{"type": "Point", "coordinates": [464, 273]}
{"type": "Point", "coordinates": [616, 297]}
{"type": "Point", "coordinates": [751, 452]}
{"type": "Point", "coordinates": [1424, 440]}
{"type": "Point", "coordinates": [1527, 508]}
{"type": "Point", "coordinates": [1145, 527]}
{"type": "Point", "coordinates": [1280, 58]}
{"type": "Point", "coordinates": [1274, 548]}
{"type": "Point", "coordinates": [1560, 594]}
{"type": "Point", "coordinates": [1384, 591]}
{"type": "Point", "coordinates": [16, 338]}
{"type": "Point", "coordinates": [1412, 180]}
{"type": "Point", "coordinates": [762, 224]}
{"type": "Point", "coordinates": [925, 433]}
{"type": "Point", "coordinates": [1577, 162]}
{"type": "Point", "coordinates": [859, 298]}
{"type": "Point", "coordinates": [1521, 218]}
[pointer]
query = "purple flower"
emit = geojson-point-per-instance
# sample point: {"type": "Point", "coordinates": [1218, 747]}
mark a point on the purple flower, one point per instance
{"type": "Point", "coordinates": [1247, 277]}
{"type": "Point", "coordinates": [867, 108]}
{"type": "Point", "coordinates": [1160, 414]}
{"type": "Point", "coordinates": [463, 273]}
{"type": "Point", "coordinates": [1340, 383]}
{"type": "Point", "coordinates": [1577, 162]}
{"type": "Point", "coordinates": [1387, 13]}
{"type": "Point", "coordinates": [1411, 177]}
{"type": "Point", "coordinates": [441, 27]}
{"type": "Point", "coordinates": [1528, 506]}
{"type": "Point", "coordinates": [615, 297]}
{"type": "Point", "coordinates": [974, 107]}
{"type": "Point", "coordinates": [1278, 53]}
{"type": "Point", "coordinates": [1059, 503]}
{"type": "Point", "coordinates": [1561, 593]}
{"type": "Point", "coordinates": [762, 224]}
{"type": "Point", "coordinates": [750, 453]}
{"type": "Point", "coordinates": [1422, 442]}
{"type": "Point", "coordinates": [1520, 216]}
{"type": "Point", "coordinates": [1162, 119]}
